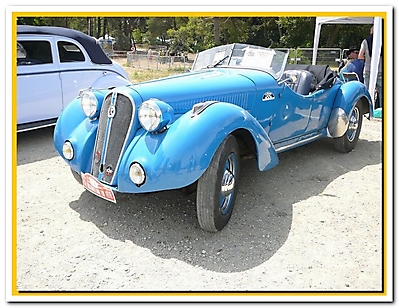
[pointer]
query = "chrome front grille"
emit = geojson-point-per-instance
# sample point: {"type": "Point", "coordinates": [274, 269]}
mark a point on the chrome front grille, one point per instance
{"type": "Point", "coordinates": [114, 126]}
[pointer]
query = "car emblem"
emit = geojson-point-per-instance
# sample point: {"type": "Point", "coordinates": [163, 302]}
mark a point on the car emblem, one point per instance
{"type": "Point", "coordinates": [268, 96]}
{"type": "Point", "coordinates": [111, 111]}
{"type": "Point", "coordinates": [109, 171]}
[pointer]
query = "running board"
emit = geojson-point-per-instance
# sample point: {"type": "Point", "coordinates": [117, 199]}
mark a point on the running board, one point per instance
{"type": "Point", "coordinates": [298, 143]}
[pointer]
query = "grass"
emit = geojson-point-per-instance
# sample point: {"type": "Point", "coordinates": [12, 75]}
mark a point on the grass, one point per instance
{"type": "Point", "coordinates": [137, 74]}
{"type": "Point", "coordinates": [140, 74]}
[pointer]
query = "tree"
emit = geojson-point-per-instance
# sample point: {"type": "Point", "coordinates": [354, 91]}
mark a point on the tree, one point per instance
{"type": "Point", "coordinates": [157, 28]}
{"type": "Point", "coordinates": [192, 34]}
{"type": "Point", "coordinates": [196, 35]}
{"type": "Point", "coordinates": [296, 31]}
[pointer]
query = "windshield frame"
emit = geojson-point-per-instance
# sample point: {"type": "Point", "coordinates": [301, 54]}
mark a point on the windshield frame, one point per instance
{"type": "Point", "coordinates": [238, 55]}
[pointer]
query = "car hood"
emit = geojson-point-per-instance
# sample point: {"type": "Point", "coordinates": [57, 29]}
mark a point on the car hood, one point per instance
{"type": "Point", "coordinates": [185, 90]}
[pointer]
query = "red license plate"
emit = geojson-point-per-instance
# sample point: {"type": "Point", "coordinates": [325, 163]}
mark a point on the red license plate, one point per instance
{"type": "Point", "coordinates": [96, 187]}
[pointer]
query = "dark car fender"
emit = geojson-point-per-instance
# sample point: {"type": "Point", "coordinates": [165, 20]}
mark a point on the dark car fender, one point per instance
{"type": "Point", "coordinates": [347, 97]}
{"type": "Point", "coordinates": [179, 156]}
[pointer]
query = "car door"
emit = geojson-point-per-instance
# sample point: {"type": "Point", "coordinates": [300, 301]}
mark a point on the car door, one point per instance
{"type": "Point", "coordinates": [39, 93]}
{"type": "Point", "coordinates": [77, 72]}
{"type": "Point", "coordinates": [283, 113]}
{"type": "Point", "coordinates": [289, 115]}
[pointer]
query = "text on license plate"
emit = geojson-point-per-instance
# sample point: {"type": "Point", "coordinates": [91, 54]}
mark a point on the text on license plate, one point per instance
{"type": "Point", "coordinates": [96, 187]}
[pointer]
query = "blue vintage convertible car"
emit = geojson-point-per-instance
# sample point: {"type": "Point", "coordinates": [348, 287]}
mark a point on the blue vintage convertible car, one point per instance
{"type": "Point", "coordinates": [190, 130]}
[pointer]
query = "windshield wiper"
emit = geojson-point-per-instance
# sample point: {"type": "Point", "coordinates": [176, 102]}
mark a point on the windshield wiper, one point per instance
{"type": "Point", "coordinates": [217, 63]}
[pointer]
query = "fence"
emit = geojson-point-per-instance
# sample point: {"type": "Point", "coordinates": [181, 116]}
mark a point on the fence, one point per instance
{"type": "Point", "coordinates": [154, 60]}
{"type": "Point", "coordinates": [330, 56]}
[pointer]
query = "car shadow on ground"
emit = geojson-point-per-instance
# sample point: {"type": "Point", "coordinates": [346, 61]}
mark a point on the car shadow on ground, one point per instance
{"type": "Point", "coordinates": [165, 223]}
{"type": "Point", "coordinates": [35, 145]}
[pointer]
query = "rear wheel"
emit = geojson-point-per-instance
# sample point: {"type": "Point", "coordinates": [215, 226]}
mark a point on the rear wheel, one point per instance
{"type": "Point", "coordinates": [217, 188]}
{"type": "Point", "coordinates": [347, 142]}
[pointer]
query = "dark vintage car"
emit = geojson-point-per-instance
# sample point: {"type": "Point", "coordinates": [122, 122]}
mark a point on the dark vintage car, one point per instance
{"type": "Point", "coordinates": [190, 130]}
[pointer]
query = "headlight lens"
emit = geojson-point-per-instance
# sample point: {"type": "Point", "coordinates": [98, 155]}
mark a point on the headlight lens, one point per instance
{"type": "Point", "coordinates": [155, 115]}
{"type": "Point", "coordinates": [149, 116]}
{"type": "Point", "coordinates": [89, 104]}
{"type": "Point", "coordinates": [67, 150]}
{"type": "Point", "coordinates": [137, 174]}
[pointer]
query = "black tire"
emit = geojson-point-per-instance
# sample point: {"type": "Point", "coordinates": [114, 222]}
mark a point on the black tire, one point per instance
{"type": "Point", "coordinates": [214, 204]}
{"type": "Point", "coordinates": [347, 142]}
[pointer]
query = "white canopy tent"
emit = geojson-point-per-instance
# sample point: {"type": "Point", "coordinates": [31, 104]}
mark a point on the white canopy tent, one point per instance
{"type": "Point", "coordinates": [377, 41]}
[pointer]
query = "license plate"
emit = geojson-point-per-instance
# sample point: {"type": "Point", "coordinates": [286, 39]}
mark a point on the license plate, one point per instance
{"type": "Point", "coordinates": [96, 187]}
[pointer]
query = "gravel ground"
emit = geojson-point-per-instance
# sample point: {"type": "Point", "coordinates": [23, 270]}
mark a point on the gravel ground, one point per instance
{"type": "Point", "coordinates": [313, 223]}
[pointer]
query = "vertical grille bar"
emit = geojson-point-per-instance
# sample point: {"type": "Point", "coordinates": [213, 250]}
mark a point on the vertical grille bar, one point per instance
{"type": "Point", "coordinates": [112, 135]}
{"type": "Point", "coordinates": [100, 138]}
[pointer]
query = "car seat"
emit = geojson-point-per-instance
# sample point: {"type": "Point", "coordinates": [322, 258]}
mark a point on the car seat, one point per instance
{"type": "Point", "coordinates": [299, 81]}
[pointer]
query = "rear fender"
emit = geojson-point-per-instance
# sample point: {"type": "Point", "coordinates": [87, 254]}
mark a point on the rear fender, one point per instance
{"type": "Point", "coordinates": [180, 155]}
{"type": "Point", "coordinates": [350, 93]}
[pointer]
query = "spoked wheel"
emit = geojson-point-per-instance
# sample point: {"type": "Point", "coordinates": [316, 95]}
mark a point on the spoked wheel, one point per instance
{"type": "Point", "coordinates": [217, 188]}
{"type": "Point", "coordinates": [347, 142]}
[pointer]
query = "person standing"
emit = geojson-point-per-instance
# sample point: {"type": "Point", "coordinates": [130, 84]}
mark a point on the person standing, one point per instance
{"type": "Point", "coordinates": [365, 54]}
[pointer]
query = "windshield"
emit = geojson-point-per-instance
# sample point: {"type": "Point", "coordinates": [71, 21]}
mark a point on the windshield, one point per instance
{"type": "Point", "coordinates": [243, 55]}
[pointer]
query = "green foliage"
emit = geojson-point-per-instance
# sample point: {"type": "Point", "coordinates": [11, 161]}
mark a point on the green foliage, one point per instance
{"type": "Point", "coordinates": [157, 28]}
{"type": "Point", "coordinates": [193, 34]}
{"type": "Point", "coordinates": [263, 31]}
{"type": "Point", "coordinates": [196, 35]}
{"type": "Point", "coordinates": [296, 31]}
{"type": "Point", "coordinates": [343, 35]}
{"type": "Point", "coordinates": [301, 55]}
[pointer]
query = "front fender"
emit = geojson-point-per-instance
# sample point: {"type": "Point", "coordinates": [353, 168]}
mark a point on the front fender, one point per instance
{"type": "Point", "coordinates": [73, 125]}
{"type": "Point", "coordinates": [179, 156]}
{"type": "Point", "coordinates": [72, 116]}
{"type": "Point", "coordinates": [347, 97]}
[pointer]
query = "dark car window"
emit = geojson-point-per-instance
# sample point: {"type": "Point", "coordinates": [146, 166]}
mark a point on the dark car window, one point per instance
{"type": "Point", "coordinates": [34, 52]}
{"type": "Point", "coordinates": [69, 52]}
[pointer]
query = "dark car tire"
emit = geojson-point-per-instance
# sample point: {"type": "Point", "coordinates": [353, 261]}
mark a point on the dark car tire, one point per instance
{"type": "Point", "coordinates": [214, 207]}
{"type": "Point", "coordinates": [347, 142]}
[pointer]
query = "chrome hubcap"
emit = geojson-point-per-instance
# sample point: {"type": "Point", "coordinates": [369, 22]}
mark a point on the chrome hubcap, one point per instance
{"type": "Point", "coordinates": [353, 124]}
{"type": "Point", "coordinates": [228, 183]}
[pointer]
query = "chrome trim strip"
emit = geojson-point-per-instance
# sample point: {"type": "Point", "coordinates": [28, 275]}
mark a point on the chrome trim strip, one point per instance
{"type": "Point", "coordinates": [298, 143]}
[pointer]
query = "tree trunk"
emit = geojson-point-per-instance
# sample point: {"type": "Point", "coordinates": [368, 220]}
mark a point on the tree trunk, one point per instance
{"type": "Point", "coordinates": [217, 30]}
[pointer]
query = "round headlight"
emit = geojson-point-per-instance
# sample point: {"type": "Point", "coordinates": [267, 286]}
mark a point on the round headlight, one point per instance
{"type": "Point", "coordinates": [150, 115]}
{"type": "Point", "coordinates": [137, 174]}
{"type": "Point", "coordinates": [155, 115]}
{"type": "Point", "coordinates": [89, 104]}
{"type": "Point", "coordinates": [67, 150]}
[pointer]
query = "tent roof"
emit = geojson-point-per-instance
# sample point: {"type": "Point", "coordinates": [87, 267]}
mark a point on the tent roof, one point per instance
{"type": "Point", "coordinates": [376, 21]}
{"type": "Point", "coordinates": [344, 20]}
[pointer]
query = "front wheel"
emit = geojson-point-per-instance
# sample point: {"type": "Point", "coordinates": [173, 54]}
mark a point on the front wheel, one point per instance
{"type": "Point", "coordinates": [217, 188]}
{"type": "Point", "coordinates": [347, 142]}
